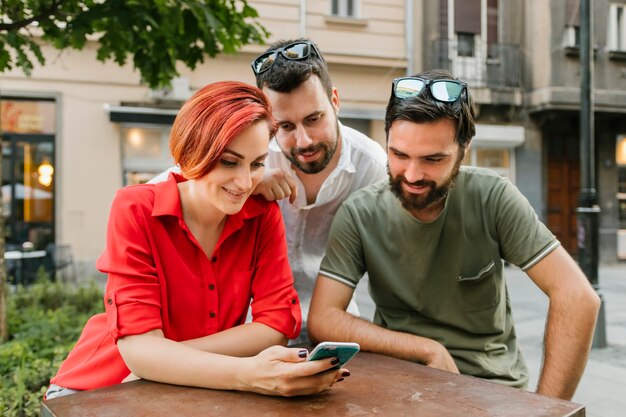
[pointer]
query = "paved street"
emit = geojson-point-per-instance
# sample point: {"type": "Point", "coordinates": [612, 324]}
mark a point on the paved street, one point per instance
{"type": "Point", "coordinates": [603, 387]}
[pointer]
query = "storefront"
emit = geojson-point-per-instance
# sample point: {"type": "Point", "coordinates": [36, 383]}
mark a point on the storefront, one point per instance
{"type": "Point", "coordinates": [494, 146]}
{"type": "Point", "coordinates": [144, 137]}
{"type": "Point", "coordinates": [28, 171]}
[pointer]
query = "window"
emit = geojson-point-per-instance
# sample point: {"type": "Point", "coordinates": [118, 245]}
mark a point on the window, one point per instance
{"type": "Point", "coordinates": [571, 37]}
{"type": "Point", "coordinates": [499, 160]}
{"type": "Point", "coordinates": [467, 36]}
{"type": "Point", "coordinates": [145, 152]}
{"type": "Point", "coordinates": [25, 116]}
{"type": "Point", "coordinates": [344, 8]}
{"type": "Point", "coordinates": [466, 45]}
{"type": "Point", "coordinates": [617, 27]}
{"type": "Point", "coordinates": [571, 34]}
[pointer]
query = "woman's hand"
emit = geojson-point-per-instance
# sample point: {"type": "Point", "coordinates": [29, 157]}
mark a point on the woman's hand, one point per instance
{"type": "Point", "coordinates": [283, 371]}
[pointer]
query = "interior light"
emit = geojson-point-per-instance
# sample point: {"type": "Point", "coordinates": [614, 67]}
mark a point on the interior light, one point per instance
{"type": "Point", "coordinates": [620, 151]}
{"type": "Point", "coordinates": [45, 172]}
{"type": "Point", "coordinates": [135, 137]}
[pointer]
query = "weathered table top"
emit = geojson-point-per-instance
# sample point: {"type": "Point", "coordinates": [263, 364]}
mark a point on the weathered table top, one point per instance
{"type": "Point", "coordinates": [379, 385]}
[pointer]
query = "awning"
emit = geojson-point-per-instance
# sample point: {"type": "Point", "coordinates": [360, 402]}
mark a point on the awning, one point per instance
{"type": "Point", "coordinates": [498, 136]}
{"type": "Point", "coordinates": [136, 114]}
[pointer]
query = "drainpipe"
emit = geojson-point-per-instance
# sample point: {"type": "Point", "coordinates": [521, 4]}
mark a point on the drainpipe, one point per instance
{"type": "Point", "coordinates": [588, 209]}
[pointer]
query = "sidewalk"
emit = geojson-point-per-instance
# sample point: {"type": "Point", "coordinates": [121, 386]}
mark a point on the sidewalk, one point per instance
{"type": "Point", "coordinates": [603, 387]}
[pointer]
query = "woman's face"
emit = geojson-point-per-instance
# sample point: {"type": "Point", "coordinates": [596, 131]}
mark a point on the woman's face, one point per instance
{"type": "Point", "coordinates": [238, 171]}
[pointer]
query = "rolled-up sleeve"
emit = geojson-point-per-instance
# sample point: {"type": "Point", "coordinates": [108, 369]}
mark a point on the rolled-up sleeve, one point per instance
{"type": "Point", "coordinates": [132, 296]}
{"type": "Point", "coordinates": [275, 301]}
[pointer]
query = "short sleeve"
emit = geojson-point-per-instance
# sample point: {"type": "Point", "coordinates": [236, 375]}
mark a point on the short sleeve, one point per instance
{"type": "Point", "coordinates": [131, 299]}
{"type": "Point", "coordinates": [344, 259]}
{"type": "Point", "coordinates": [524, 240]}
{"type": "Point", "coordinates": [275, 302]}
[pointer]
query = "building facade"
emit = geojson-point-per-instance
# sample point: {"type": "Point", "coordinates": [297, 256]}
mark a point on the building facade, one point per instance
{"type": "Point", "coordinates": [552, 76]}
{"type": "Point", "coordinates": [97, 128]}
{"type": "Point", "coordinates": [521, 60]}
{"type": "Point", "coordinates": [77, 130]}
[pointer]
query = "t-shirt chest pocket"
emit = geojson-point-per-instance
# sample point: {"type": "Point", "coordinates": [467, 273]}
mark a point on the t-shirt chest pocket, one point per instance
{"type": "Point", "coordinates": [478, 287]}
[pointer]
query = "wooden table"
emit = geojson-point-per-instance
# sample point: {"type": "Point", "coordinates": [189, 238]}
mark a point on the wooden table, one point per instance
{"type": "Point", "coordinates": [379, 386]}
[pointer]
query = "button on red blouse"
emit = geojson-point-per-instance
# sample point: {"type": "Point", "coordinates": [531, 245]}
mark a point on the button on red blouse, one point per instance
{"type": "Point", "coordinates": [159, 278]}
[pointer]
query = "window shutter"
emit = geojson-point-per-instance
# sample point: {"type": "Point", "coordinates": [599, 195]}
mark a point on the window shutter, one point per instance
{"type": "Point", "coordinates": [572, 13]}
{"type": "Point", "coordinates": [467, 16]}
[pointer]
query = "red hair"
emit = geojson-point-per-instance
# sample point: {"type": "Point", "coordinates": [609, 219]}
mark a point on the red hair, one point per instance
{"type": "Point", "coordinates": [211, 119]}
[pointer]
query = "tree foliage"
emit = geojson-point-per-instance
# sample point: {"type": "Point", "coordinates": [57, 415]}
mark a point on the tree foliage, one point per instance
{"type": "Point", "coordinates": [155, 33]}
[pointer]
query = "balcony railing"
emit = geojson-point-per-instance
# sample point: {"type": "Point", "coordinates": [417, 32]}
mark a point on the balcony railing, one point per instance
{"type": "Point", "coordinates": [493, 66]}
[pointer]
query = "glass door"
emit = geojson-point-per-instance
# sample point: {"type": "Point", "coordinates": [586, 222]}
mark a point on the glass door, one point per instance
{"type": "Point", "coordinates": [28, 190]}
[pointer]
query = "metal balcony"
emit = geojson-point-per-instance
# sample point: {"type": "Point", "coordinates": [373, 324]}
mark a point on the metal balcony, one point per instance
{"type": "Point", "coordinates": [480, 65]}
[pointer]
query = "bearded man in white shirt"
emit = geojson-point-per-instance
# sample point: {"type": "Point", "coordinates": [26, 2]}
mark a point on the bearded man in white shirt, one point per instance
{"type": "Point", "coordinates": [314, 161]}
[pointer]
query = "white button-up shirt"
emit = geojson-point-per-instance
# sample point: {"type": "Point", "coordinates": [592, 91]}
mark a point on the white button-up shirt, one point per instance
{"type": "Point", "coordinates": [362, 162]}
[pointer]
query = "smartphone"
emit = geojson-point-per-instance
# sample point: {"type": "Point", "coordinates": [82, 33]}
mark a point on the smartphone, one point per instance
{"type": "Point", "coordinates": [344, 351]}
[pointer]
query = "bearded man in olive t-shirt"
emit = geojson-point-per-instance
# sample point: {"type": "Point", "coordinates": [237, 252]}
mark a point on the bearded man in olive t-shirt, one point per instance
{"type": "Point", "coordinates": [432, 238]}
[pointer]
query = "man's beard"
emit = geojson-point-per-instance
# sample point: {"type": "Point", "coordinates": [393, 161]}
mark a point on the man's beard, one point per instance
{"type": "Point", "coordinates": [328, 149]}
{"type": "Point", "coordinates": [415, 203]}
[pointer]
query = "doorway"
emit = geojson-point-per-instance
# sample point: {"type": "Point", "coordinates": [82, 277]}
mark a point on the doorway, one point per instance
{"type": "Point", "coordinates": [28, 190]}
{"type": "Point", "coordinates": [563, 187]}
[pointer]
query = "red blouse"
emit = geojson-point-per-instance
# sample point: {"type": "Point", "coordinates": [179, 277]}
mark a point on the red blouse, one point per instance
{"type": "Point", "coordinates": [160, 278]}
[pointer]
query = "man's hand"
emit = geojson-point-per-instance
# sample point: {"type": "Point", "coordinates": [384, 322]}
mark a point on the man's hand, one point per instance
{"type": "Point", "coordinates": [276, 185]}
{"type": "Point", "coordinates": [439, 357]}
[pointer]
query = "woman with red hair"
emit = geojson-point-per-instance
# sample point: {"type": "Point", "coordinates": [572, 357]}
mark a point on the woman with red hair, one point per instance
{"type": "Point", "coordinates": [184, 259]}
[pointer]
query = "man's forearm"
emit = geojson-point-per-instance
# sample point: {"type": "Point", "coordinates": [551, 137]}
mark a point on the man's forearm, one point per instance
{"type": "Point", "coordinates": [337, 325]}
{"type": "Point", "coordinates": [569, 331]}
{"type": "Point", "coordinates": [328, 320]}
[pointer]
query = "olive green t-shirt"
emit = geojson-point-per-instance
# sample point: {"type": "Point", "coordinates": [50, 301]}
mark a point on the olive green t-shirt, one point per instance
{"type": "Point", "coordinates": [444, 279]}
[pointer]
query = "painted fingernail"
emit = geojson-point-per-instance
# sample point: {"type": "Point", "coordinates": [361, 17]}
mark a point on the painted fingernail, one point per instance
{"type": "Point", "coordinates": [345, 373]}
{"type": "Point", "coordinates": [303, 353]}
{"type": "Point", "coordinates": [340, 379]}
{"type": "Point", "coordinates": [335, 361]}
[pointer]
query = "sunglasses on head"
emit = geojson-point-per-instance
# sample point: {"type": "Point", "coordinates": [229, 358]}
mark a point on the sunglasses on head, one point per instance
{"type": "Point", "coordinates": [294, 52]}
{"type": "Point", "coordinates": [447, 91]}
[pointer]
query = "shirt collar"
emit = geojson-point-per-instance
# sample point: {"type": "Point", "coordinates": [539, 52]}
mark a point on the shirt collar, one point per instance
{"type": "Point", "coordinates": [345, 160]}
{"type": "Point", "coordinates": [167, 197]}
{"type": "Point", "coordinates": [167, 201]}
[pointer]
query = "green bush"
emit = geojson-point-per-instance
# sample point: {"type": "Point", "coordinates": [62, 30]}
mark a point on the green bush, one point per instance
{"type": "Point", "coordinates": [44, 321]}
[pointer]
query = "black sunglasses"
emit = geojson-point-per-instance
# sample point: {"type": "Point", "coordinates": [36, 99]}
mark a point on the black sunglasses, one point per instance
{"type": "Point", "coordinates": [294, 52]}
{"type": "Point", "coordinates": [444, 90]}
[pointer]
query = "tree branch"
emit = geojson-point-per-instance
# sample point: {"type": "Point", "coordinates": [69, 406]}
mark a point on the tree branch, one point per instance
{"type": "Point", "coordinates": [53, 9]}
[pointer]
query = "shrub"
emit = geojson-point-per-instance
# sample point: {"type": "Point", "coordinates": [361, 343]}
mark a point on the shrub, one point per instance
{"type": "Point", "coordinates": [44, 321]}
